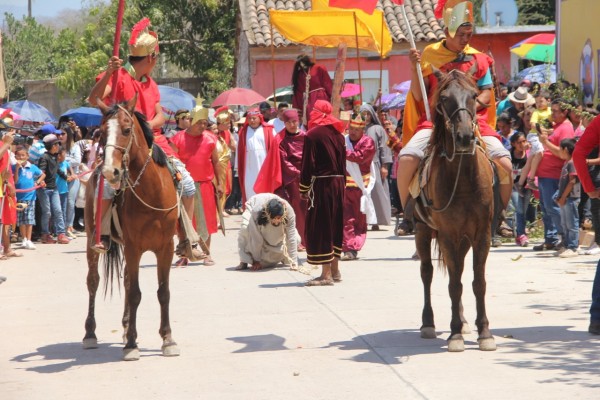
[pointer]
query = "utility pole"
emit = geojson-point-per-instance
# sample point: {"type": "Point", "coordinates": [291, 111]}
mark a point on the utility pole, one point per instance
{"type": "Point", "coordinates": [29, 8]}
{"type": "Point", "coordinates": [487, 13]}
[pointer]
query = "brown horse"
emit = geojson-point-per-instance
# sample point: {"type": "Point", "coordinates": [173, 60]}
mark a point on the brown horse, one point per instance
{"type": "Point", "coordinates": [457, 204]}
{"type": "Point", "coordinates": [146, 206]}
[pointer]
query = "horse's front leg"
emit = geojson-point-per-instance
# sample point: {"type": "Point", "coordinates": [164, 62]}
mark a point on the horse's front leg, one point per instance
{"type": "Point", "coordinates": [125, 320]}
{"type": "Point", "coordinates": [423, 241]}
{"type": "Point", "coordinates": [454, 257]}
{"type": "Point", "coordinates": [480, 252]}
{"type": "Point", "coordinates": [164, 259]}
{"type": "Point", "coordinates": [133, 295]}
{"type": "Point", "coordinates": [93, 279]}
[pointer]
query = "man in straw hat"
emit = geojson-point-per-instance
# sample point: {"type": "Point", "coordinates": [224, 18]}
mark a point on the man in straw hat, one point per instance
{"type": "Point", "coordinates": [133, 79]}
{"type": "Point", "coordinates": [453, 53]}
{"type": "Point", "coordinates": [361, 175]}
{"type": "Point", "coordinates": [197, 148]}
{"type": "Point", "coordinates": [322, 181]}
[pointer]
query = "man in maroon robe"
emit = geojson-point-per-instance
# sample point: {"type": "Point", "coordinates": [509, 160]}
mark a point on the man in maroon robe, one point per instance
{"type": "Point", "coordinates": [322, 181]}
{"type": "Point", "coordinates": [318, 86]}
{"type": "Point", "coordinates": [291, 145]}
{"type": "Point", "coordinates": [360, 149]}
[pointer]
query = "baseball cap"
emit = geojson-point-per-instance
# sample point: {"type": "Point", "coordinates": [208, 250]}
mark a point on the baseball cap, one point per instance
{"type": "Point", "coordinates": [50, 138]}
{"type": "Point", "coordinates": [47, 129]}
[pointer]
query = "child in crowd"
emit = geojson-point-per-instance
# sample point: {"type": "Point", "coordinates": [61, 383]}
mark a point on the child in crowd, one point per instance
{"type": "Point", "coordinates": [61, 183]}
{"type": "Point", "coordinates": [27, 176]}
{"type": "Point", "coordinates": [567, 197]}
{"type": "Point", "coordinates": [49, 198]}
{"type": "Point", "coordinates": [542, 113]}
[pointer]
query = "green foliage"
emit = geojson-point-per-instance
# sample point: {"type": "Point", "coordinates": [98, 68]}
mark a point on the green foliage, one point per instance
{"type": "Point", "coordinates": [197, 36]}
{"type": "Point", "coordinates": [536, 12]}
{"type": "Point", "coordinates": [29, 53]}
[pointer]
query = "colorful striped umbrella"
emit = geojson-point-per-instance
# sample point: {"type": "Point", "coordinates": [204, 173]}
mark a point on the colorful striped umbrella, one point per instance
{"type": "Point", "coordinates": [540, 47]}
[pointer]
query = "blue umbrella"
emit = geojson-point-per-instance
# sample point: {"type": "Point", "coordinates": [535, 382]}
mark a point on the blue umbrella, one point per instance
{"type": "Point", "coordinates": [543, 73]}
{"type": "Point", "coordinates": [30, 111]}
{"type": "Point", "coordinates": [173, 99]}
{"type": "Point", "coordinates": [85, 116]}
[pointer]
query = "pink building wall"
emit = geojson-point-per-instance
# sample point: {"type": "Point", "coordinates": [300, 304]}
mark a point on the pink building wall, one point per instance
{"type": "Point", "coordinates": [397, 66]}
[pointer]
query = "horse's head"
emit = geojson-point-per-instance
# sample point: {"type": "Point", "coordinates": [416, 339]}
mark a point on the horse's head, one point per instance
{"type": "Point", "coordinates": [118, 126]}
{"type": "Point", "coordinates": [455, 111]}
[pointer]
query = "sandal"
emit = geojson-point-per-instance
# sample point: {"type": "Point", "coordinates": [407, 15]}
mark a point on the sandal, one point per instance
{"type": "Point", "coordinates": [242, 266]}
{"type": "Point", "coordinates": [319, 282]}
{"type": "Point", "coordinates": [349, 256]}
{"type": "Point", "coordinates": [337, 278]}
{"type": "Point", "coordinates": [208, 262]}
{"type": "Point", "coordinates": [12, 253]}
{"type": "Point", "coordinates": [182, 262]}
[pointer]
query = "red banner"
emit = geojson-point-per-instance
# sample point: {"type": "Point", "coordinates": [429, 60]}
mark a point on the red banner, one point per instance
{"type": "Point", "coordinates": [399, 2]}
{"type": "Point", "coordinates": [367, 6]}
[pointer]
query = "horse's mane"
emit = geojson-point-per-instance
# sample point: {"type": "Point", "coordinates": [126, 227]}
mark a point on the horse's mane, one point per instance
{"type": "Point", "coordinates": [464, 82]}
{"type": "Point", "coordinates": [158, 155]}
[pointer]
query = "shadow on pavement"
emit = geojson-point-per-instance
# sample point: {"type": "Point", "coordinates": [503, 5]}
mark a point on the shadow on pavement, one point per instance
{"type": "Point", "coordinates": [391, 347]}
{"type": "Point", "coordinates": [63, 356]}
{"type": "Point", "coordinates": [259, 343]}
{"type": "Point", "coordinates": [572, 354]}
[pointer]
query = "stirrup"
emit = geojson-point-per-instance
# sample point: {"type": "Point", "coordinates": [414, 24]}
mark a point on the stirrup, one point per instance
{"type": "Point", "coordinates": [103, 246]}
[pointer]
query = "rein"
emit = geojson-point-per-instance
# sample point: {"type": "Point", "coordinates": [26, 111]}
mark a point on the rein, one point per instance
{"type": "Point", "coordinates": [125, 177]}
{"type": "Point", "coordinates": [451, 126]}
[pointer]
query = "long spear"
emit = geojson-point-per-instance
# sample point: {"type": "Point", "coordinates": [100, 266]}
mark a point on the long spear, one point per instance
{"type": "Point", "coordinates": [411, 40]}
{"type": "Point", "coordinates": [116, 45]}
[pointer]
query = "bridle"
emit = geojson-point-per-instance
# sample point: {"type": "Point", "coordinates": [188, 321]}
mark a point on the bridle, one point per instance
{"type": "Point", "coordinates": [451, 126]}
{"type": "Point", "coordinates": [127, 184]}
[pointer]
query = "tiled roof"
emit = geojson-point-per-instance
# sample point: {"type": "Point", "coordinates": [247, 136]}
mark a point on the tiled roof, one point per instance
{"type": "Point", "coordinates": [425, 27]}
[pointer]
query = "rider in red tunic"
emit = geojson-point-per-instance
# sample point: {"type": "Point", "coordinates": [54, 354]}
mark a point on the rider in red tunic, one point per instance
{"type": "Point", "coordinates": [133, 79]}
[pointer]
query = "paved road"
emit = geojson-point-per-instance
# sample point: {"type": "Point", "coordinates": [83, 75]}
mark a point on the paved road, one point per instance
{"type": "Point", "coordinates": [263, 335]}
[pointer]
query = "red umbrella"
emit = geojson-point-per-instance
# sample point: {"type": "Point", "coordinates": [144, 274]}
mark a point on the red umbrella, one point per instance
{"type": "Point", "coordinates": [238, 97]}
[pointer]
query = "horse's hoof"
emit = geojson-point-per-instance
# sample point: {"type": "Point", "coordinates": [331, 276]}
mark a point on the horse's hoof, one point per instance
{"type": "Point", "coordinates": [466, 329]}
{"type": "Point", "coordinates": [487, 344]}
{"type": "Point", "coordinates": [131, 354]}
{"type": "Point", "coordinates": [90, 343]}
{"type": "Point", "coordinates": [456, 345]}
{"type": "Point", "coordinates": [428, 332]}
{"type": "Point", "coordinates": [171, 350]}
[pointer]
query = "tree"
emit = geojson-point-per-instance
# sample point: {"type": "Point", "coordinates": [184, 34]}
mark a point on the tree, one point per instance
{"type": "Point", "coordinates": [198, 36]}
{"type": "Point", "coordinates": [29, 53]}
{"type": "Point", "coordinates": [536, 12]}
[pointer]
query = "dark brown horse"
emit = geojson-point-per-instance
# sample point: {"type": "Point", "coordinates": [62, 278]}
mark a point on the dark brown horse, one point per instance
{"type": "Point", "coordinates": [458, 205]}
{"type": "Point", "coordinates": [146, 206]}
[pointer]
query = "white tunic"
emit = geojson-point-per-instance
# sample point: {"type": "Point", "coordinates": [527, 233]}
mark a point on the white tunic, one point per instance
{"type": "Point", "coordinates": [256, 152]}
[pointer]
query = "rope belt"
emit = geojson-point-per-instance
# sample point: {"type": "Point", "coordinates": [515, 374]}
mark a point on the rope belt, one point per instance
{"type": "Point", "coordinates": [311, 193]}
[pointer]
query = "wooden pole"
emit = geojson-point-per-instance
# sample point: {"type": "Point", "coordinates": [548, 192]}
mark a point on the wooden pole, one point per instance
{"type": "Point", "coordinates": [411, 39]}
{"type": "Point", "coordinates": [273, 67]}
{"type": "Point", "coordinates": [338, 79]}
{"type": "Point", "coordinates": [116, 45]}
{"type": "Point", "coordinates": [380, 92]}
{"type": "Point", "coordinates": [358, 57]}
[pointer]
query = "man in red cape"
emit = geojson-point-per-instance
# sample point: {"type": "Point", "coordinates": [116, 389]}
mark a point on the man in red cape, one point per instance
{"type": "Point", "coordinates": [322, 181]}
{"type": "Point", "coordinates": [259, 165]}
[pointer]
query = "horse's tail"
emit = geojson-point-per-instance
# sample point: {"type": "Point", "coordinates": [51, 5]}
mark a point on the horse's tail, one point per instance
{"type": "Point", "coordinates": [113, 266]}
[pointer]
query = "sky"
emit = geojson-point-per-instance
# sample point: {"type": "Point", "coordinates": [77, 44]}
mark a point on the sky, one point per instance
{"type": "Point", "coordinates": [39, 8]}
{"type": "Point", "coordinates": [51, 8]}
{"type": "Point", "coordinates": [507, 7]}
